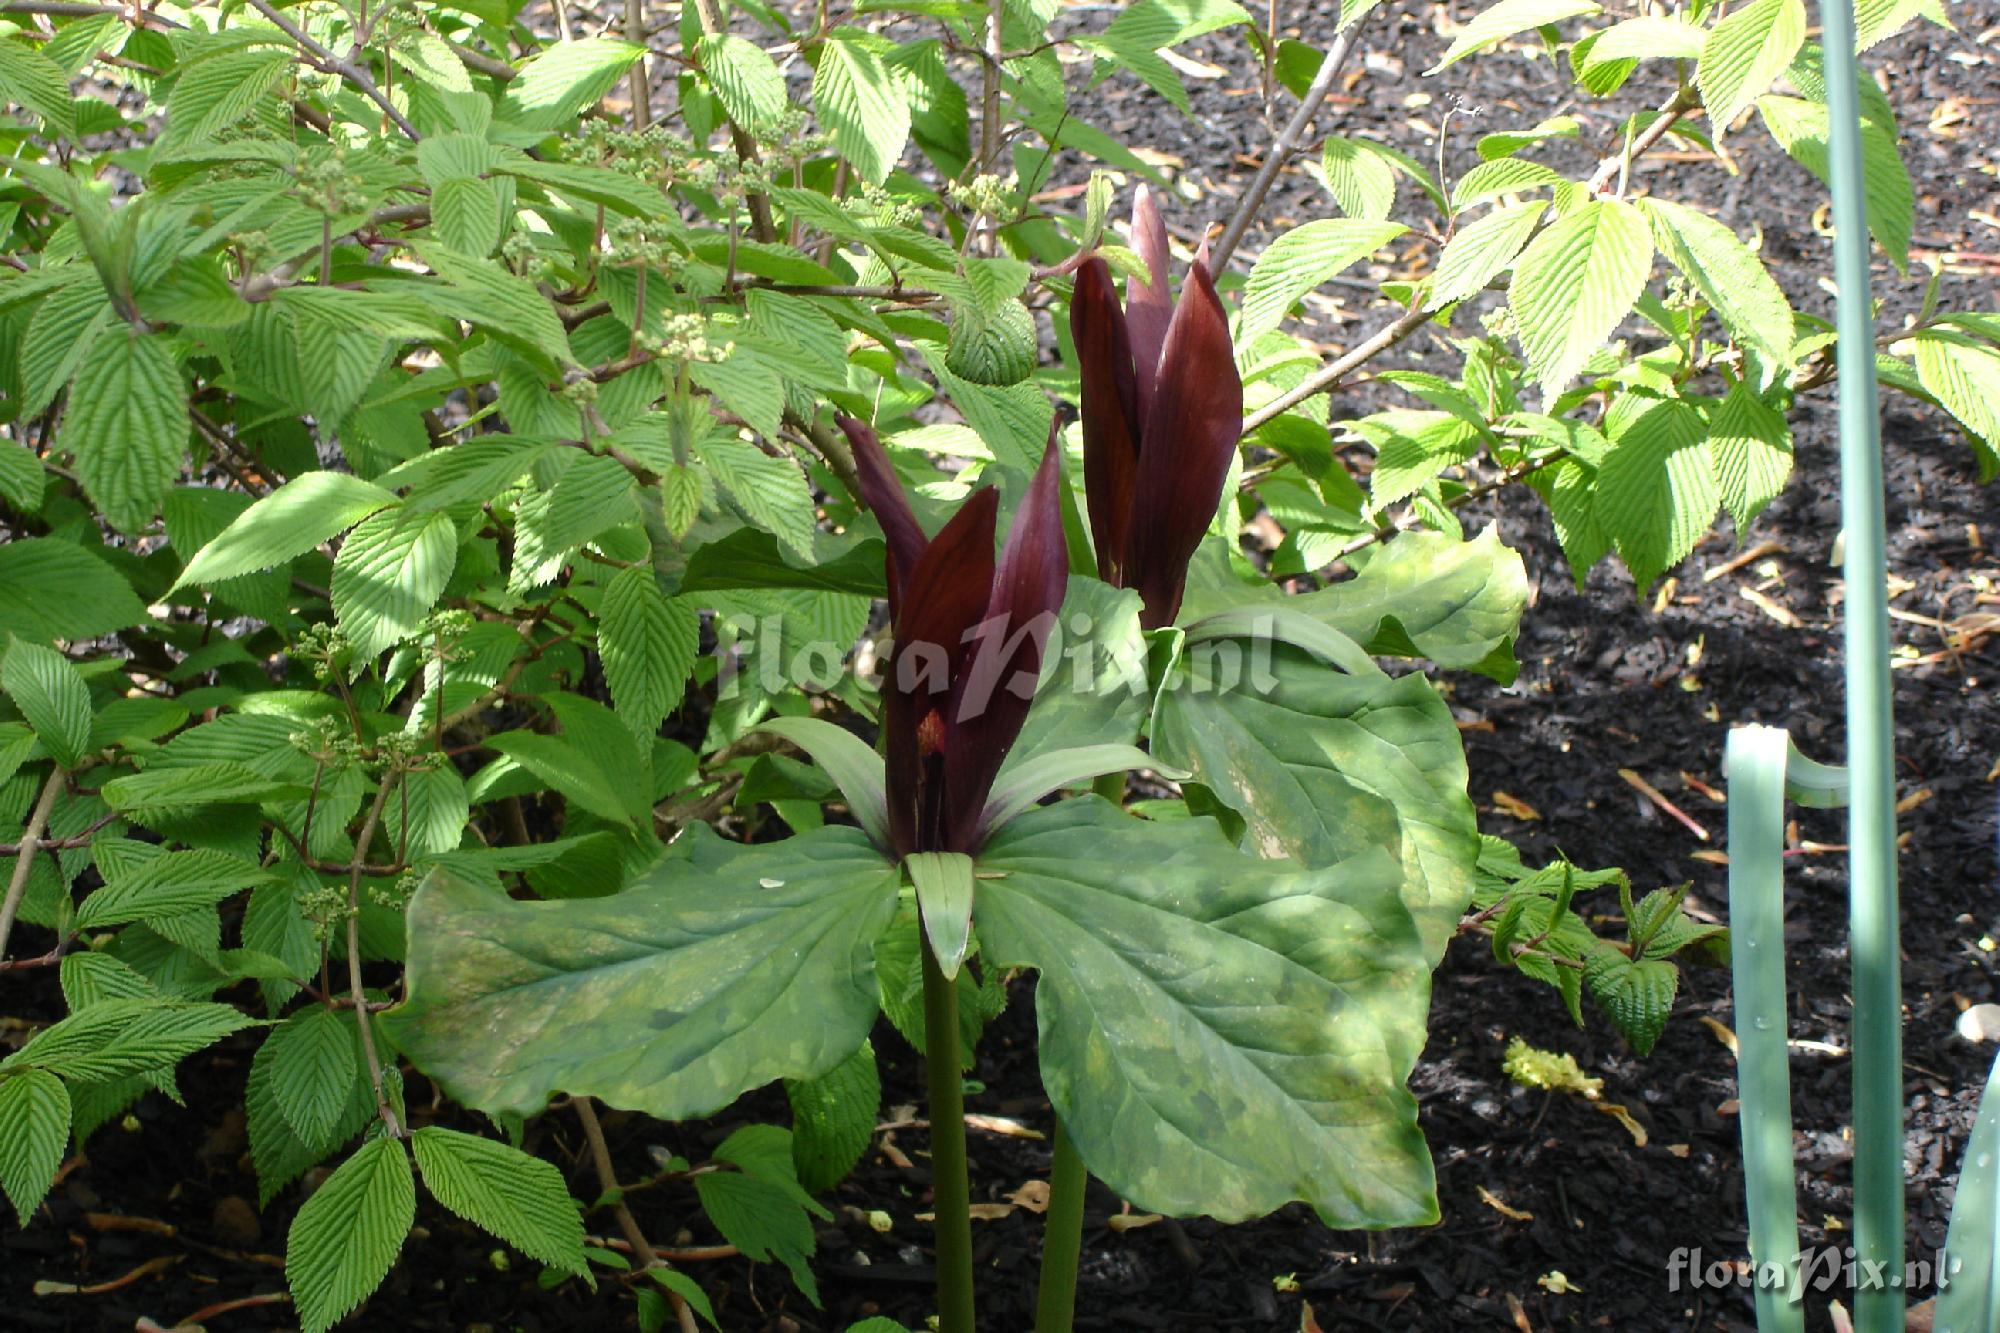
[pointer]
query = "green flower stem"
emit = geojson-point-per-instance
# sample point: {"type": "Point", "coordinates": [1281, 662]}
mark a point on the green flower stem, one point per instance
{"type": "Point", "coordinates": [1062, 1237]}
{"type": "Point", "coordinates": [950, 1194]}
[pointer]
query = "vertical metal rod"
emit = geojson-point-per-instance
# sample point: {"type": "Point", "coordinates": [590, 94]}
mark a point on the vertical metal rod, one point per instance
{"type": "Point", "coordinates": [1872, 908]}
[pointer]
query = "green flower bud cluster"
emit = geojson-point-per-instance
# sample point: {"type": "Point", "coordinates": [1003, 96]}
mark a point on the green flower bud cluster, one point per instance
{"type": "Point", "coordinates": [395, 897]}
{"type": "Point", "coordinates": [686, 338]}
{"type": "Point", "coordinates": [326, 648]}
{"type": "Point", "coordinates": [630, 241]}
{"type": "Point", "coordinates": [325, 908]}
{"type": "Point", "coordinates": [986, 194]}
{"type": "Point", "coordinates": [328, 183]}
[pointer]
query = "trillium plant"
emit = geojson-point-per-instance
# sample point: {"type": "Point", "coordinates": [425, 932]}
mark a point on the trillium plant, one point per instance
{"type": "Point", "coordinates": [545, 570]}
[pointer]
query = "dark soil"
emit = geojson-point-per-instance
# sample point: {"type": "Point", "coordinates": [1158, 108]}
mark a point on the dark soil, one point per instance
{"type": "Point", "coordinates": [1531, 1185]}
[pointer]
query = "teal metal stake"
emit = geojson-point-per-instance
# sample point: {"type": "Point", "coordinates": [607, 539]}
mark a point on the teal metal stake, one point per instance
{"type": "Point", "coordinates": [1872, 913]}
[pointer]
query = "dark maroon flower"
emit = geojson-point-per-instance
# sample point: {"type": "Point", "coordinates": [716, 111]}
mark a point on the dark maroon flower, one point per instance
{"type": "Point", "coordinates": [969, 636]}
{"type": "Point", "coordinates": [1162, 412]}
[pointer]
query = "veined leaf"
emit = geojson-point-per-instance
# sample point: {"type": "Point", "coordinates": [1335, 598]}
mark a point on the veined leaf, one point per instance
{"type": "Point", "coordinates": [465, 215]}
{"type": "Point", "coordinates": [1481, 251]}
{"type": "Point", "coordinates": [1326, 762]}
{"type": "Point", "coordinates": [1800, 127]}
{"type": "Point", "coordinates": [177, 786]}
{"type": "Point", "coordinates": [1656, 493]}
{"type": "Point", "coordinates": [772, 492]}
{"type": "Point", "coordinates": [314, 1066]}
{"type": "Point", "coordinates": [348, 1234]}
{"type": "Point", "coordinates": [648, 642]}
{"type": "Point", "coordinates": [518, 1197]}
{"type": "Point", "coordinates": [1300, 260]}
{"type": "Point", "coordinates": [115, 1038]}
{"type": "Point", "coordinates": [388, 575]}
{"type": "Point", "coordinates": [127, 425]}
{"type": "Point", "coordinates": [866, 108]}
{"type": "Point", "coordinates": [52, 697]}
{"type": "Point", "coordinates": [833, 1119]}
{"type": "Point", "coordinates": [1360, 180]}
{"type": "Point", "coordinates": [1649, 37]}
{"type": "Point", "coordinates": [1964, 375]}
{"type": "Point", "coordinates": [1220, 1034]}
{"type": "Point", "coordinates": [722, 968]}
{"type": "Point", "coordinates": [288, 522]}
{"type": "Point", "coordinates": [1750, 448]}
{"type": "Point", "coordinates": [1745, 53]}
{"type": "Point", "coordinates": [169, 884]}
{"type": "Point", "coordinates": [1503, 20]}
{"type": "Point", "coordinates": [563, 80]}
{"type": "Point", "coordinates": [564, 767]}
{"type": "Point", "coordinates": [29, 78]}
{"type": "Point", "coordinates": [746, 80]}
{"type": "Point", "coordinates": [1575, 283]}
{"type": "Point", "coordinates": [1728, 275]}
{"type": "Point", "coordinates": [55, 589]}
{"type": "Point", "coordinates": [34, 1106]}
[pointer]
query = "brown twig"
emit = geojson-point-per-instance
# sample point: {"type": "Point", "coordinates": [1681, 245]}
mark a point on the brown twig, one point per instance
{"type": "Point", "coordinates": [24, 861]}
{"type": "Point", "coordinates": [354, 873]}
{"type": "Point", "coordinates": [1670, 113]}
{"type": "Point", "coordinates": [1329, 376]}
{"type": "Point", "coordinates": [607, 1182]}
{"type": "Point", "coordinates": [1286, 144]}
{"type": "Point", "coordinates": [333, 64]}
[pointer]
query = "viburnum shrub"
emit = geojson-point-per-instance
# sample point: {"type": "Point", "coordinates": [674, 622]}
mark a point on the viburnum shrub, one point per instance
{"type": "Point", "coordinates": [452, 463]}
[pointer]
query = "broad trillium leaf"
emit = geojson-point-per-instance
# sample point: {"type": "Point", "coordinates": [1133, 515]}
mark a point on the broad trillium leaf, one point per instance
{"type": "Point", "coordinates": [1426, 594]}
{"type": "Point", "coordinates": [1093, 688]}
{"type": "Point", "coordinates": [722, 968]}
{"type": "Point", "coordinates": [1325, 760]}
{"type": "Point", "coordinates": [1221, 1034]}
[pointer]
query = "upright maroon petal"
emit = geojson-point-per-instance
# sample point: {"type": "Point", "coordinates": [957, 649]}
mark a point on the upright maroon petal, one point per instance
{"type": "Point", "coordinates": [1191, 434]}
{"type": "Point", "coordinates": [1110, 411]}
{"type": "Point", "coordinates": [1148, 302]}
{"type": "Point", "coordinates": [883, 491]}
{"type": "Point", "coordinates": [944, 596]}
{"type": "Point", "coordinates": [998, 683]}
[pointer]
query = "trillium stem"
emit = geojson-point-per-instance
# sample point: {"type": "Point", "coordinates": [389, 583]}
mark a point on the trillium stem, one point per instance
{"type": "Point", "coordinates": [1062, 1237]}
{"type": "Point", "coordinates": [950, 1195]}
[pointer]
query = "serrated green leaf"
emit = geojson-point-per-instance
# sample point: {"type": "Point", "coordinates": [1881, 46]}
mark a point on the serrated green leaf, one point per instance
{"type": "Point", "coordinates": [183, 785]}
{"type": "Point", "coordinates": [1656, 493]}
{"type": "Point", "coordinates": [746, 80]}
{"type": "Point", "coordinates": [55, 589]}
{"type": "Point", "coordinates": [388, 575]}
{"type": "Point", "coordinates": [91, 978]}
{"type": "Point", "coordinates": [1964, 376]}
{"type": "Point", "coordinates": [1300, 260]}
{"type": "Point", "coordinates": [1575, 283]}
{"type": "Point", "coordinates": [1649, 37]}
{"type": "Point", "coordinates": [762, 1221]}
{"type": "Point", "coordinates": [348, 1234]}
{"type": "Point", "coordinates": [1481, 251]}
{"type": "Point", "coordinates": [52, 697]}
{"type": "Point", "coordinates": [1750, 446]}
{"type": "Point", "coordinates": [1503, 175]}
{"type": "Point", "coordinates": [32, 80]}
{"type": "Point", "coordinates": [771, 491]}
{"type": "Point", "coordinates": [1220, 1034]}
{"type": "Point", "coordinates": [313, 1070]}
{"type": "Point", "coordinates": [993, 344]}
{"type": "Point", "coordinates": [119, 1037]}
{"type": "Point", "coordinates": [1503, 20]}
{"type": "Point", "coordinates": [166, 885]}
{"type": "Point", "coordinates": [276, 1151]}
{"type": "Point", "coordinates": [833, 1119]}
{"type": "Point", "coordinates": [465, 215]}
{"type": "Point", "coordinates": [1745, 53]}
{"type": "Point", "coordinates": [774, 981]}
{"type": "Point", "coordinates": [1637, 996]}
{"type": "Point", "coordinates": [21, 478]}
{"type": "Point", "coordinates": [558, 84]}
{"type": "Point", "coordinates": [497, 301]}
{"type": "Point", "coordinates": [565, 768]}
{"type": "Point", "coordinates": [64, 327]}
{"type": "Point", "coordinates": [127, 425]}
{"type": "Point", "coordinates": [1800, 127]}
{"type": "Point", "coordinates": [215, 93]}
{"type": "Point", "coordinates": [34, 1106]}
{"type": "Point", "coordinates": [1358, 178]}
{"type": "Point", "coordinates": [866, 108]}
{"type": "Point", "coordinates": [1729, 276]}
{"type": "Point", "coordinates": [288, 522]}
{"type": "Point", "coordinates": [519, 1198]}
{"type": "Point", "coordinates": [1503, 143]}
{"type": "Point", "coordinates": [648, 642]}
